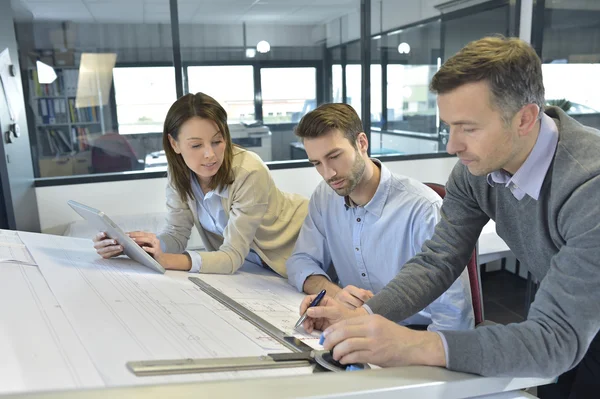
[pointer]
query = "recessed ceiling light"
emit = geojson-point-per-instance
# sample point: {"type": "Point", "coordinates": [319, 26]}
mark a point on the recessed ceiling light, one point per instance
{"type": "Point", "coordinates": [263, 47]}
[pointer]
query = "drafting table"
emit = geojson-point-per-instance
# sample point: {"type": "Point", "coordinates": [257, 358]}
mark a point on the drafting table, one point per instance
{"type": "Point", "coordinates": [69, 325]}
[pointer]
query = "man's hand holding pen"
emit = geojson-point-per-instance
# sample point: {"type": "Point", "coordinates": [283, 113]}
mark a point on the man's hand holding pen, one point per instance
{"type": "Point", "coordinates": [329, 312]}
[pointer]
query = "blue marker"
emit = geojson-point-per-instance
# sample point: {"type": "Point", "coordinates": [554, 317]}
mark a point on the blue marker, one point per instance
{"type": "Point", "coordinates": [354, 367]}
{"type": "Point", "coordinates": [315, 302]}
{"type": "Point", "coordinates": [321, 339]}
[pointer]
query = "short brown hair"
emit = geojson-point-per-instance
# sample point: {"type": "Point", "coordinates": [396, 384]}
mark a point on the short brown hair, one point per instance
{"type": "Point", "coordinates": [328, 117]}
{"type": "Point", "coordinates": [510, 66]}
{"type": "Point", "coordinates": [185, 108]}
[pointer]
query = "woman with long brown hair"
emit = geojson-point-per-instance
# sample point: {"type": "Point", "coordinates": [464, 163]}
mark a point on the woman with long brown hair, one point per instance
{"type": "Point", "coordinates": [223, 190]}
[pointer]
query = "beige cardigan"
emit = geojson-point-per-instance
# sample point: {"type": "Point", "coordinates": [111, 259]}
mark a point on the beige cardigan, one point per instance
{"type": "Point", "coordinates": [260, 216]}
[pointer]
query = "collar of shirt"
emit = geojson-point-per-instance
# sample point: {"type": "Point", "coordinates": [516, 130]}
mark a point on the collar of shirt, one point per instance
{"type": "Point", "coordinates": [199, 194]}
{"type": "Point", "coordinates": [530, 176]}
{"type": "Point", "coordinates": [375, 206]}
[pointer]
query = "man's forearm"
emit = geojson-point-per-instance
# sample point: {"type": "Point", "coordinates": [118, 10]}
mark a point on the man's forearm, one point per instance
{"type": "Point", "coordinates": [429, 350]}
{"type": "Point", "coordinates": [315, 284]}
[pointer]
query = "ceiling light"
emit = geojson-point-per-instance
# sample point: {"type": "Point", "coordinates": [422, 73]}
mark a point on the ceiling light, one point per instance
{"type": "Point", "coordinates": [404, 48]}
{"type": "Point", "coordinates": [250, 52]}
{"type": "Point", "coordinates": [45, 72]}
{"type": "Point", "coordinates": [263, 47]}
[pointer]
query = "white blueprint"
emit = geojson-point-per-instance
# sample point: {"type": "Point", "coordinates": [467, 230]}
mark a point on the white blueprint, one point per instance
{"type": "Point", "coordinates": [267, 295]}
{"type": "Point", "coordinates": [12, 248]}
{"type": "Point", "coordinates": [124, 312]}
{"type": "Point", "coordinates": [39, 349]}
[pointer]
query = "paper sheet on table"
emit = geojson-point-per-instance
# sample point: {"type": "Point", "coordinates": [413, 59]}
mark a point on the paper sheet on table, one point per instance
{"type": "Point", "coordinates": [123, 312]}
{"type": "Point", "coordinates": [12, 248]}
{"type": "Point", "coordinates": [38, 346]}
{"type": "Point", "coordinates": [267, 295]}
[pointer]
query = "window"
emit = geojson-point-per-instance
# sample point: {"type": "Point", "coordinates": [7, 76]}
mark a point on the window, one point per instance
{"type": "Point", "coordinates": [292, 92]}
{"type": "Point", "coordinates": [411, 106]}
{"type": "Point", "coordinates": [353, 83]}
{"type": "Point", "coordinates": [336, 83]}
{"type": "Point", "coordinates": [232, 86]}
{"type": "Point", "coordinates": [143, 96]}
{"type": "Point", "coordinates": [353, 89]}
{"type": "Point", "coordinates": [412, 56]}
{"type": "Point", "coordinates": [571, 61]}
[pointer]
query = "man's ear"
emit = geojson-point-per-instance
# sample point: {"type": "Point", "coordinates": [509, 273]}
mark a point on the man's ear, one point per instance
{"type": "Point", "coordinates": [362, 142]}
{"type": "Point", "coordinates": [526, 119]}
{"type": "Point", "coordinates": [174, 145]}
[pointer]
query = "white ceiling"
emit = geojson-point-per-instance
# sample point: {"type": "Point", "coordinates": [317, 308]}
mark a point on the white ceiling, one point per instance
{"type": "Point", "coordinates": [190, 11]}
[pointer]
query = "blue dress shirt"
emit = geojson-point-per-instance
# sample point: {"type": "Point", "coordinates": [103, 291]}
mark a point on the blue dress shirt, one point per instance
{"type": "Point", "coordinates": [368, 245]}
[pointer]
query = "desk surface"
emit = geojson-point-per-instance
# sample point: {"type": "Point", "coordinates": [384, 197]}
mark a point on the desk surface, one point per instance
{"type": "Point", "coordinates": [405, 382]}
{"type": "Point", "coordinates": [58, 336]}
{"type": "Point", "coordinates": [490, 246]}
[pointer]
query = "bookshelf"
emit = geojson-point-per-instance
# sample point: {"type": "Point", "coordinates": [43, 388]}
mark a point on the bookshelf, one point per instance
{"type": "Point", "coordinates": [61, 127]}
{"type": "Point", "coordinates": [64, 132]}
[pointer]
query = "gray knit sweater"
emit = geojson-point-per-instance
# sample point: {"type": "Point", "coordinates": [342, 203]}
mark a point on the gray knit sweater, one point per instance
{"type": "Point", "coordinates": [557, 237]}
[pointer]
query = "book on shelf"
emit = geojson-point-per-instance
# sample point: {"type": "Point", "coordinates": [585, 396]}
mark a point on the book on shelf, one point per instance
{"type": "Point", "coordinates": [58, 141]}
{"type": "Point", "coordinates": [82, 115]}
{"type": "Point", "coordinates": [66, 141]}
{"type": "Point", "coordinates": [52, 111]}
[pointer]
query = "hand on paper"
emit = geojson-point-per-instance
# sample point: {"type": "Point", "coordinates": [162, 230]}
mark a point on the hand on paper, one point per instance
{"type": "Point", "coordinates": [377, 340]}
{"type": "Point", "coordinates": [106, 247]}
{"type": "Point", "coordinates": [353, 297]}
{"type": "Point", "coordinates": [328, 312]}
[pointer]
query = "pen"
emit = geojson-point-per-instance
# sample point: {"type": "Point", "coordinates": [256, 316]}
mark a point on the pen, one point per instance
{"type": "Point", "coordinates": [315, 302]}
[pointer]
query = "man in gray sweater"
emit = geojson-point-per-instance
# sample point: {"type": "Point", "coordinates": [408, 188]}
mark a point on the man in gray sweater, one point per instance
{"type": "Point", "coordinates": [537, 174]}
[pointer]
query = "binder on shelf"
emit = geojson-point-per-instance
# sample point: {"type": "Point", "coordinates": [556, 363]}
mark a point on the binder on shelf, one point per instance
{"type": "Point", "coordinates": [51, 144]}
{"type": "Point", "coordinates": [64, 140]}
{"type": "Point", "coordinates": [51, 113]}
{"type": "Point", "coordinates": [64, 126]}
{"type": "Point", "coordinates": [44, 111]}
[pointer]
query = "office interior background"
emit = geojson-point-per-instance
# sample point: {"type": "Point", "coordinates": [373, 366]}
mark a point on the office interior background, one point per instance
{"type": "Point", "coordinates": [98, 77]}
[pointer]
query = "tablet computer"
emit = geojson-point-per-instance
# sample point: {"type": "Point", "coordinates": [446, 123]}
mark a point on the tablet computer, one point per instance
{"type": "Point", "coordinates": [100, 221]}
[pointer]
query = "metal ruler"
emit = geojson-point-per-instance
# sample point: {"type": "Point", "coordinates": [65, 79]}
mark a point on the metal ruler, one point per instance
{"type": "Point", "coordinates": [302, 354]}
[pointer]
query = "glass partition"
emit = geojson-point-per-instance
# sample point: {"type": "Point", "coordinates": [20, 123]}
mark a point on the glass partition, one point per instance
{"type": "Point", "coordinates": [97, 84]}
{"type": "Point", "coordinates": [571, 58]}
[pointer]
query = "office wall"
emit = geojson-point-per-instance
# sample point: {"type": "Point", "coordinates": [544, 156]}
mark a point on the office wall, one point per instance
{"type": "Point", "coordinates": [148, 195]}
{"type": "Point", "coordinates": [16, 170]}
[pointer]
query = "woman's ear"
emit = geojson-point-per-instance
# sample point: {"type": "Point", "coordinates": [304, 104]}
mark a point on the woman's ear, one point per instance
{"type": "Point", "coordinates": [174, 145]}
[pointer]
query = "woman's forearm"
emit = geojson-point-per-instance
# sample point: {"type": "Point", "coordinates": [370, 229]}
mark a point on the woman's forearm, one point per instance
{"type": "Point", "coordinates": [175, 261]}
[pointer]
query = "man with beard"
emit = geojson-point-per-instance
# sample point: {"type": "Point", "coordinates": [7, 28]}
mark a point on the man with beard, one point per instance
{"type": "Point", "coordinates": [365, 222]}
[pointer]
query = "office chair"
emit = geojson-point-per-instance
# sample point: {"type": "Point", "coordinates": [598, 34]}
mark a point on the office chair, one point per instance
{"type": "Point", "coordinates": [472, 268]}
{"type": "Point", "coordinates": [111, 152]}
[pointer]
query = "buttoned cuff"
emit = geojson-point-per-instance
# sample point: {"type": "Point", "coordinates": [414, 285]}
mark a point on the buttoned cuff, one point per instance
{"type": "Point", "coordinates": [444, 343]}
{"type": "Point", "coordinates": [196, 261]}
